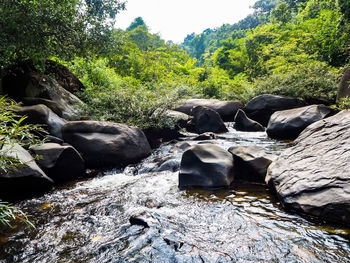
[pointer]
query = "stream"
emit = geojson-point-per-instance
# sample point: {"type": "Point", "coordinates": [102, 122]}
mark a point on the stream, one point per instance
{"type": "Point", "coordinates": [88, 220]}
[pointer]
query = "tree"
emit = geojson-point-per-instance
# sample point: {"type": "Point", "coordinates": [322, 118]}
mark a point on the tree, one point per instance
{"type": "Point", "coordinates": [138, 21]}
{"type": "Point", "coordinates": [39, 29]}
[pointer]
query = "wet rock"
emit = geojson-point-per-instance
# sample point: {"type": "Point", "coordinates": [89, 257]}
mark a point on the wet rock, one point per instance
{"type": "Point", "coordinates": [226, 109]}
{"type": "Point", "coordinates": [243, 123]}
{"type": "Point", "coordinates": [60, 162]}
{"type": "Point", "coordinates": [206, 166]}
{"type": "Point", "coordinates": [138, 221]}
{"type": "Point", "coordinates": [105, 144]}
{"type": "Point", "coordinates": [288, 124]}
{"type": "Point", "coordinates": [344, 86]}
{"type": "Point", "coordinates": [312, 177]}
{"type": "Point", "coordinates": [262, 107]}
{"type": "Point", "coordinates": [169, 165]}
{"type": "Point", "coordinates": [27, 179]}
{"type": "Point", "coordinates": [205, 136]}
{"type": "Point", "coordinates": [207, 120]}
{"type": "Point", "coordinates": [40, 114]}
{"type": "Point", "coordinates": [251, 163]}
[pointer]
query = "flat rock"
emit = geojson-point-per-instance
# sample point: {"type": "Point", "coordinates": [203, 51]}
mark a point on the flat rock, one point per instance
{"type": "Point", "coordinates": [243, 123]}
{"type": "Point", "coordinates": [288, 124]}
{"type": "Point", "coordinates": [262, 107]}
{"type": "Point", "coordinates": [226, 109]}
{"type": "Point", "coordinates": [105, 144]}
{"type": "Point", "coordinates": [313, 177]}
{"type": "Point", "coordinates": [206, 166]}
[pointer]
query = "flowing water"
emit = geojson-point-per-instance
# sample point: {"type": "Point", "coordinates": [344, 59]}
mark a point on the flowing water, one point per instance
{"type": "Point", "coordinates": [88, 221]}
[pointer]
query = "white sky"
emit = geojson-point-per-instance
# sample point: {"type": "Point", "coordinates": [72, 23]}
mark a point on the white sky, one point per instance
{"type": "Point", "coordinates": [174, 19]}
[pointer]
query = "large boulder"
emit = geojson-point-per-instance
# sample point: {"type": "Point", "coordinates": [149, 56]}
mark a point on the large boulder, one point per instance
{"type": "Point", "coordinates": [288, 124]}
{"type": "Point", "coordinates": [40, 114]}
{"type": "Point", "coordinates": [105, 144]}
{"type": "Point", "coordinates": [344, 86]}
{"type": "Point", "coordinates": [251, 163]}
{"type": "Point", "coordinates": [48, 103]}
{"type": "Point", "coordinates": [63, 76]}
{"type": "Point", "coordinates": [313, 177]}
{"type": "Point", "coordinates": [60, 162]}
{"type": "Point", "coordinates": [262, 107]}
{"type": "Point", "coordinates": [226, 109]}
{"type": "Point", "coordinates": [207, 120]}
{"type": "Point", "coordinates": [24, 83]}
{"type": "Point", "coordinates": [27, 179]}
{"type": "Point", "coordinates": [243, 123]}
{"type": "Point", "coordinates": [206, 166]}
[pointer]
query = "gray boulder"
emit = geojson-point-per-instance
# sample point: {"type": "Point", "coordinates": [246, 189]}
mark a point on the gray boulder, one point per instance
{"type": "Point", "coordinates": [312, 177]}
{"type": "Point", "coordinates": [105, 144]}
{"type": "Point", "coordinates": [41, 86]}
{"type": "Point", "coordinates": [60, 162]}
{"type": "Point", "coordinates": [262, 107]}
{"type": "Point", "coordinates": [40, 114]}
{"type": "Point", "coordinates": [206, 166]}
{"type": "Point", "coordinates": [288, 124]}
{"type": "Point", "coordinates": [344, 86]}
{"type": "Point", "coordinates": [226, 109]}
{"type": "Point", "coordinates": [243, 123]}
{"type": "Point", "coordinates": [251, 163]}
{"type": "Point", "coordinates": [207, 120]}
{"type": "Point", "coordinates": [27, 179]}
{"type": "Point", "coordinates": [48, 103]}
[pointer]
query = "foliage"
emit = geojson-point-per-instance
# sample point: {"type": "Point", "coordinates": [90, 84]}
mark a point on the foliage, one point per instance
{"type": "Point", "coordinates": [342, 104]}
{"type": "Point", "coordinates": [9, 213]}
{"type": "Point", "coordinates": [12, 130]}
{"type": "Point", "coordinates": [38, 29]}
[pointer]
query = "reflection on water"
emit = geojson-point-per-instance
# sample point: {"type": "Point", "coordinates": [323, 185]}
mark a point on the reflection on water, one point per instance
{"type": "Point", "coordinates": [88, 221]}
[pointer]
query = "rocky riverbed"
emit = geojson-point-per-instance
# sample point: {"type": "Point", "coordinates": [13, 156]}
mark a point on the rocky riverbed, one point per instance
{"type": "Point", "coordinates": [88, 220]}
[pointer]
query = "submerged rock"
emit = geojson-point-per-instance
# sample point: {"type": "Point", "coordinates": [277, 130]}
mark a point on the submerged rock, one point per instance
{"type": "Point", "coordinates": [25, 180]}
{"type": "Point", "coordinates": [312, 177]}
{"type": "Point", "coordinates": [262, 107]}
{"type": "Point", "coordinates": [288, 124]}
{"type": "Point", "coordinates": [251, 163]}
{"type": "Point", "coordinates": [226, 109]}
{"type": "Point", "coordinates": [105, 144]}
{"type": "Point", "coordinates": [206, 166]}
{"type": "Point", "coordinates": [207, 120]}
{"type": "Point", "coordinates": [60, 162]}
{"type": "Point", "coordinates": [243, 123]}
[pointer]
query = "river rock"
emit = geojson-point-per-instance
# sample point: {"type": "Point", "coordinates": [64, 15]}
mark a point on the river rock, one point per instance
{"type": "Point", "coordinates": [344, 86]}
{"type": "Point", "coordinates": [105, 144]}
{"type": "Point", "coordinates": [206, 166]}
{"type": "Point", "coordinates": [251, 163]}
{"type": "Point", "coordinates": [48, 103]}
{"type": "Point", "coordinates": [207, 120]}
{"type": "Point", "coordinates": [60, 162]}
{"type": "Point", "coordinates": [205, 136]}
{"type": "Point", "coordinates": [312, 177]}
{"type": "Point", "coordinates": [243, 123]}
{"type": "Point", "coordinates": [262, 107]}
{"type": "Point", "coordinates": [25, 180]}
{"type": "Point", "coordinates": [40, 114]}
{"type": "Point", "coordinates": [226, 109]}
{"type": "Point", "coordinates": [288, 124]}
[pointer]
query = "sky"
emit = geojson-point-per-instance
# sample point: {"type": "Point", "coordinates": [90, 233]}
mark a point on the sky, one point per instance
{"type": "Point", "coordinates": [174, 19]}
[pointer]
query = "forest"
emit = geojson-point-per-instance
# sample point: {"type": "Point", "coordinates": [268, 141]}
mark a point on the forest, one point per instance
{"type": "Point", "coordinates": [297, 48]}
